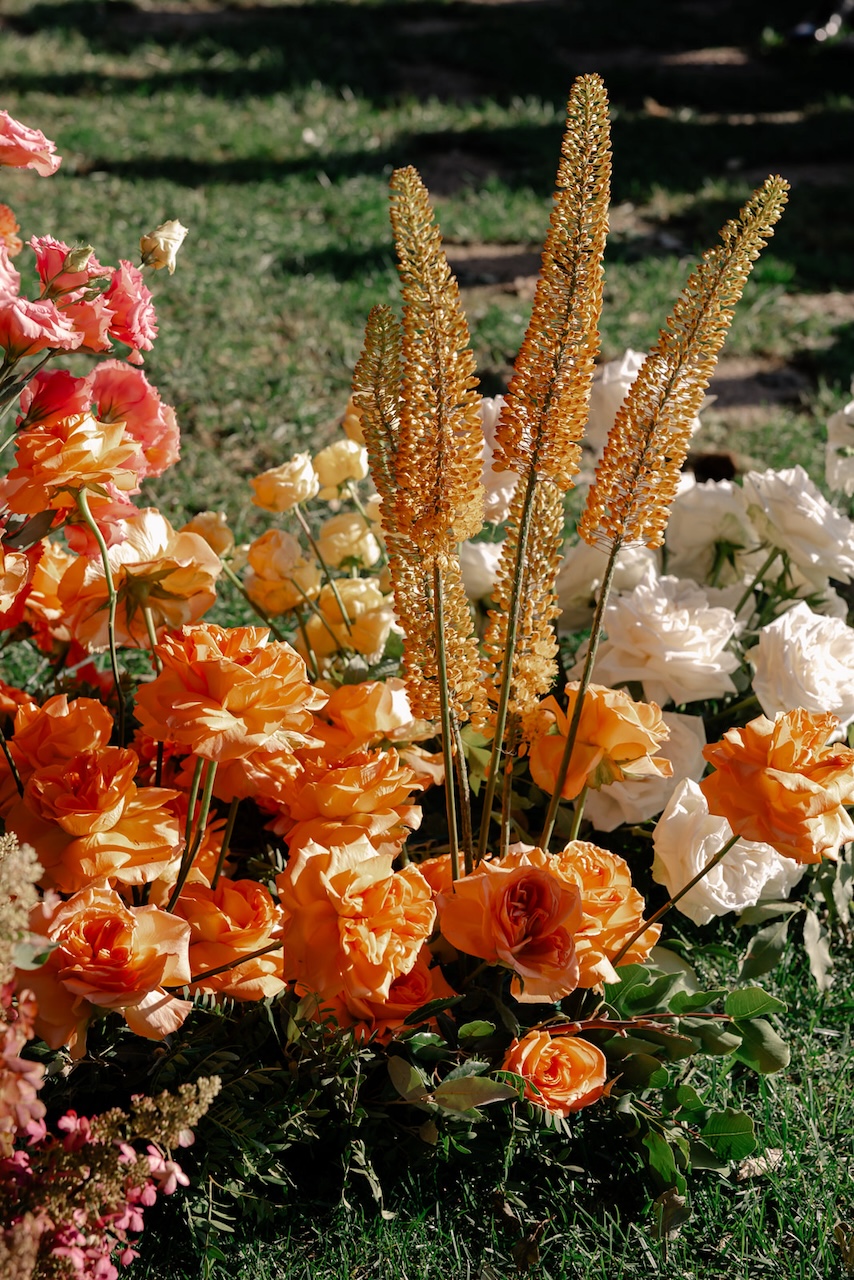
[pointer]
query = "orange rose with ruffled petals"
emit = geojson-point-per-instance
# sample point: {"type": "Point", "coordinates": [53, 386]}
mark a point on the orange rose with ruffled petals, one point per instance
{"type": "Point", "coordinates": [562, 1074]}
{"type": "Point", "coordinates": [53, 463]}
{"type": "Point", "coordinates": [44, 610]}
{"type": "Point", "coordinates": [365, 782]}
{"type": "Point", "coordinates": [48, 734]}
{"type": "Point", "coordinates": [521, 916]}
{"type": "Point", "coordinates": [230, 921]}
{"type": "Point", "coordinates": [370, 710]}
{"type": "Point", "coordinates": [107, 956]}
{"type": "Point", "coordinates": [409, 992]}
{"type": "Point", "coordinates": [352, 924]}
{"type": "Point", "coordinates": [224, 693]}
{"type": "Point", "coordinates": [617, 739]}
{"type": "Point", "coordinates": [386, 829]}
{"type": "Point", "coordinates": [782, 782]}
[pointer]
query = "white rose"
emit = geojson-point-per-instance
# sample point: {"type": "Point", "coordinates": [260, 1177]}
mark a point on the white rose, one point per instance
{"type": "Point", "coordinates": [839, 451]}
{"type": "Point", "coordinates": [479, 563]}
{"type": "Point", "coordinates": [666, 636]}
{"type": "Point", "coordinates": [789, 512]}
{"type": "Point", "coordinates": [709, 532]}
{"type": "Point", "coordinates": [805, 660]}
{"type": "Point", "coordinates": [637, 799]}
{"type": "Point", "coordinates": [499, 485]}
{"type": "Point", "coordinates": [580, 577]}
{"type": "Point", "coordinates": [687, 837]}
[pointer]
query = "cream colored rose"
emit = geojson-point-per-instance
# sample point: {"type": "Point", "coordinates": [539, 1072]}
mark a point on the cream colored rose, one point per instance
{"type": "Point", "coordinates": [789, 512]}
{"type": "Point", "coordinates": [160, 248]}
{"type": "Point", "coordinates": [283, 487]}
{"type": "Point", "coordinates": [686, 839]}
{"type": "Point", "coordinates": [479, 563]}
{"type": "Point", "coordinates": [369, 620]}
{"type": "Point", "coordinates": [805, 660]}
{"type": "Point", "coordinates": [280, 577]}
{"type": "Point", "coordinates": [580, 577]}
{"type": "Point", "coordinates": [839, 451]}
{"type": "Point", "coordinates": [347, 537]}
{"type": "Point", "coordinates": [213, 527]}
{"type": "Point", "coordinates": [709, 531]}
{"type": "Point", "coordinates": [339, 462]}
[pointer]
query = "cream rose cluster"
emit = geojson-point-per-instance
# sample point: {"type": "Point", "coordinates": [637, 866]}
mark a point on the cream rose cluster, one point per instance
{"type": "Point", "coordinates": [804, 659]}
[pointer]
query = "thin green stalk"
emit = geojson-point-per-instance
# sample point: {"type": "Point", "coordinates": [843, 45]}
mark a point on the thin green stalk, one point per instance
{"type": "Point", "coordinates": [466, 835]}
{"type": "Point", "coordinates": [192, 798]}
{"type": "Point", "coordinates": [572, 733]}
{"type": "Point", "coordinates": [507, 787]}
{"type": "Point", "coordinates": [324, 566]}
{"type": "Point", "coordinates": [256, 608]}
{"type": "Point", "coordinates": [191, 850]}
{"type": "Point", "coordinates": [13, 768]}
{"type": "Point", "coordinates": [112, 597]}
{"type": "Point", "coordinates": [507, 668]}
{"type": "Point", "coordinates": [233, 964]}
{"type": "Point", "coordinates": [766, 565]}
{"type": "Point", "coordinates": [446, 718]}
{"type": "Point", "coordinates": [671, 902]}
{"type": "Point", "coordinates": [579, 813]}
{"type": "Point", "coordinates": [152, 637]}
{"type": "Point", "coordinates": [226, 840]}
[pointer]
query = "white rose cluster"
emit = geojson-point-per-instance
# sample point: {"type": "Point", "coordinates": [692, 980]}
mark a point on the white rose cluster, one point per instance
{"type": "Point", "coordinates": [804, 659]}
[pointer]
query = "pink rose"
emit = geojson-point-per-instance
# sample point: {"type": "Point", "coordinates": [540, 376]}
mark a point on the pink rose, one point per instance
{"type": "Point", "coordinates": [134, 322]}
{"type": "Point", "coordinates": [25, 148]}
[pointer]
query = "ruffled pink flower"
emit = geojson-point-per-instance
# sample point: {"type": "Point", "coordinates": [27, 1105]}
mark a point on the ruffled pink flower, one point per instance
{"type": "Point", "coordinates": [29, 327]}
{"type": "Point", "coordinates": [121, 393]}
{"type": "Point", "coordinates": [10, 279]}
{"type": "Point", "coordinates": [53, 394]}
{"type": "Point", "coordinates": [51, 258]}
{"type": "Point", "coordinates": [24, 148]}
{"type": "Point", "coordinates": [135, 321]}
{"type": "Point", "coordinates": [93, 319]}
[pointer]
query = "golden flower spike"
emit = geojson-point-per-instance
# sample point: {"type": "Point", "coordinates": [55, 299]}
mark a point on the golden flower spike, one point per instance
{"type": "Point", "coordinates": [637, 478]}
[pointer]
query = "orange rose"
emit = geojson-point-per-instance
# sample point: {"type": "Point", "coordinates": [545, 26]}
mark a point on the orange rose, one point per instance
{"type": "Point", "coordinates": [520, 916]}
{"type": "Point", "coordinates": [562, 1074]}
{"type": "Point", "coordinates": [44, 610]}
{"type": "Point", "coordinates": [264, 776]}
{"type": "Point", "coordinates": [351, 924]}
{"type": "Point", "coordinates": [107, 956]}
{"type": "Point", "coordinates": [53, 463]}
{"type": "Point", "coordinates": [411, 991]}
{"type": "Point", "coordinates": [369, 613]}
{"type": "Point", "coordinates": [781, 782]}
{"type": "Point", "coordinates": [90, 821]}
{"type": "Point", "coordinates": [365, 782]}
{"type": "Point", "coordinates": [16, 575]}
{"type": "Point", "coordinates": [52, 733]}
{"type": "Point", "coordinates": [617, 738]}
{"type": "Point", "coordinates": [386, 829]}
{"type": "Point", "coordinates": [226, 693]}
{"type": "Point", "coordinates": [235, 918]}
{"type": "Point", "coordinates": [280, 577]}
{"type": "Point", "coordinates": [213, 527]}
{"type": "Point", "coordinates": [370, 710]}
{"type": "Point", "coordinates": [172, 574]}
{"type": "Point", "coordinates": [611, 909]}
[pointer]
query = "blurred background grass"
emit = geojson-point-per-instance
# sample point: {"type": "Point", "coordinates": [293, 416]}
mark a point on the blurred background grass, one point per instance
{"type": "Point", "coordinates": [270, 130]}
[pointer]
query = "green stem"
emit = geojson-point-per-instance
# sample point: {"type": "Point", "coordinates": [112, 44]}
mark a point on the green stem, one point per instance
{"type": "Point", "coordinates": [507, 667]}
{"type": "Point", "coordinates": [507, 786]}
{"type": "Point", "coordinates": [13, 768]}
{"type": "Point", "coordinates": [572, 733]}
{"type": "Point", "coordinates": [766, 565]}
{"type": "Point", "coordinates": [192, 798]}
{"type": "Point", "coordinates": [152, 637]}
{"type": "Point", "coordinates": [445, 716]}
{"type": "Point", "coordinates": [324, 566]}
{"type": "Point", "coordinates": [579, 813]}
{"type": "Point", "coordinates": [112, 597]}
{"type": "Point", "coordinates": [226, 840]}
{"type": "Point", "coordinates": [671, 902]}
{"type": "Point", "coordinates": [465, 797]}
{"type": "Point", "coordinates": [191, 850]}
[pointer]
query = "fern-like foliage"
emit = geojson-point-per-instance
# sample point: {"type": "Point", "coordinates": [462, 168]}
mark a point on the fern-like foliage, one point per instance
{"type": "Point", "coordinates": [637, 478]}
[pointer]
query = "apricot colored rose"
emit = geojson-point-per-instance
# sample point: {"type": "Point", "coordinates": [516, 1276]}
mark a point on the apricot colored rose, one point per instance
{"type": "Point", "coordinates": [224, 693]}
{"type": "Point", "coordinates": [562, 1074]}
{"type": "Point", "coordinates": [44, 610]}
{"type": "Point", "coordinates": [409, 992]}
{"type": "Point", "coordinates": [520, 916]}
{"type": "Point", "coordinates": [364, 782]}
{"type": "Point", "coordinates": [107, 956]}
{"type": "Point", "coordinates": [782, 782]}
{"type": "Point", "coordinates": [617, 739]}
{"type": "Point", "coordinates": [346, 537]}
{"type": "Point", "coordinates": [385, 829]}
{"type": "Point", "coordinates": [48, 734]}
{"type": "Point", "coordinates": [17, 569]}
{"type": "Point", "coordinates": [280, 577]}
{"type": "Point", "coordinates": [90, 822]}
{"type": "Point", "coordinates": [230, 921]}
{"type": "Point", "coordinates": [8, 227]}
{"type": "Point", "coordinates": [283, 487]}
{"type": "Point", "coordinates": [352, 924]}
{"type": "Point", "coordinates": [611, 908]}
{"type": "Point", "coordinates": [172, 574]}
{"type": "Point", "coordinates": [213, 527]}
{"type": "Point", "coordinates": [53, 463]}
{"type": "Point", "coordinates": [370, 710]}
{"type": "Point", "coordinates": [369, 613]}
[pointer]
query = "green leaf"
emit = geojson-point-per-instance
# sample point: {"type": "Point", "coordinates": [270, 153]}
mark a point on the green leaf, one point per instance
{"type": "Point", "coordinates": [476, 1030]}
{"type": "Point", "coordinates": [675, 1046]}
{"type": "Point", "coordinates": [407, 1079]}
{"type": "Point", "coordinates": [430, 1009]}
{"type": "Point", "coordinates": [468, 1092]}
{"type": "Point", "coordinates": [683, 1098]}
{"type": "Point", "coordinates": [767, 911]}
{"type": "Point", "coordinates": [703, 1157]}
{"type": "Point", "coordinates": [761, 1047]}
{"type": "Point", "coordinates": [687, 1001]}
{"type": "Point", "coordinates": [671, 1212]}
{"type": "Point", "coordinates": [469, 1068]}
{"type": "Point", "coordinates": [752, 1002]}
{"type": "Point", "coordinates": [818, 951]}
{"type": "Point", "coordinates": [719, 1038]}
{"type": "Point", "coordinates": [651, 996]}
{"type": "Point", "coordinates": [660, 1158]}
{"type": "Point", "coordinates": [730, 1134]}
{"type": "Point", "coordinates": [765, 949]}
{"type": "Point", "coordinates": [637, 1070]}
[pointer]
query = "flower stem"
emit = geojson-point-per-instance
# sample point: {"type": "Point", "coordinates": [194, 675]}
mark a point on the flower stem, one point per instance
{"type": "Point", "coordinates": [579, 813]}
{"type": "Point", "coordinates": [572, 732]}
{"type": "Point", "coordinates": [191, 850]}
{"type": "Point", "coordinates": [766, 565]}
{"type": "Point", "coordinates": [112, 597]}
{"type": "Point", "coordinates": [507, 786]}
{"type": "Point", "coordinates": [465, 797]}
{"type": "Point", "coordinates": [10, 760]}
{"type": "Point", "coordinates": [226, 840]}
{"type": "Point", "coordinates": [232, 964]}
{"type": "Point", "coordinates": [152, 637]}
{"type": "Point", "coordinates": [671, 902]}
{"type": "Point", "coordinates": [193, 797]}
{"type": "Point", "coordinates": [507, 667]}
{"type": "Point", "coordinates": [324, 566]}
{"type": "Point", "coordinates": [256, 608]}
{"type": "Point", "coordinates": [446, 718]}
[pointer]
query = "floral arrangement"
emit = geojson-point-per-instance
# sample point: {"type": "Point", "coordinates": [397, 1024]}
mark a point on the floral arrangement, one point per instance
{"type": "Point", "coordinates": [373, 876]}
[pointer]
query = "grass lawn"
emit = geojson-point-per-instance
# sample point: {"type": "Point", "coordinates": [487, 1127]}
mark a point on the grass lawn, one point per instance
{"type": "Point", "coordinates": [270, 130]}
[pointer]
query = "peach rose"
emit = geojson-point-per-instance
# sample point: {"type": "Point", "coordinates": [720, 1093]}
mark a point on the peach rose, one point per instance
{"type": "Point", "coordinates": [370, 710]}
{"type": "Point", "coordinates": [17, 569]}
{"type": "Point", "coordinates": [280, 577]}
{"type": "Point", "coordinates": [24, 148]}
{"type": "Point", "coordinates": [44, 610]}
{"type": "Point", "coordinates": [562, 1074]}
{"type": "Point", "coordinates": [783, 782]}
{"type": "Point", "coordinates": [232, 920]}
{"type": "Point", "coordinates": [385, 829]}
{"type": "Point", "coordinates": [617, 739]}
{"type": "Point", "coordinates": [48, 734]}
{"type": "Point", "coordinates": [369, 613]}
{"type": "Point", "coordinates": [172, 574]}
{"type": "Point", "coordinates": [224, 693]}
{"type": "Point", "coordinates": [283, 487]}
{"type": "Point", "coordinates": [520, 916]}
{"type": "Point", "coordinates": [213, 527]}
{"type": "Point", "coordinates": [347, 537]}
{"type": "Point", "coordinates": [107, 956]}
{"type": "Point", "coordinates": [351, 423]}
{"type": "Point", "coordinates": [339, 462]}
{"type": "Point", "coordinates": [8, 227]}
{"type": "Point", "coordinates": [409, 992]}
{"type": "Point", "coordinates": [365, 782]}
{"type": "Point", "coordinates": [352, 924]}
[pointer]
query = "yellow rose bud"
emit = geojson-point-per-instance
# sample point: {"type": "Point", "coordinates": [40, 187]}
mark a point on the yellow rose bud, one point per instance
{"type": "Point", "coordinates": [283, 487]}
{"type": "Point", "coordinates": [160, 248]}
{"type": "Point", "coordinates": [351, 423]}
{"type": "Point", "coordinates": [279, 576]}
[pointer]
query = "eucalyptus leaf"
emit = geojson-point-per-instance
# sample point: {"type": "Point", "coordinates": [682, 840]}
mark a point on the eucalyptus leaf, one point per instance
{"type": "Point", "coordinates": [476, 1030]}
{"type": "Point", "coordinates": [407, 1079]}
{"type": "Point", "coordinates": [765, 950]}
{"type": "Point", "coordinates": [767, 911]}
{"type": "Point", "coordinates": [752, 1002]}
{"type": "Point", "coordinates": [465, 1093]}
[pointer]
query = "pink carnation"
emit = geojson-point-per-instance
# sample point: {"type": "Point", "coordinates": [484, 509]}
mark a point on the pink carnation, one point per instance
{"type": "Point", "coordinates": [29, 327]}
{"type": "Point", "coordinates": [121, 393]}
{"type": "Point", "coordinates": [25, 148]}
{"type": "Point", "coordinates": [51, 256]}
{"type": "Point", "coordinates": [10, 279]}
{"type": "Point", "coordinates": [135, 321]}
